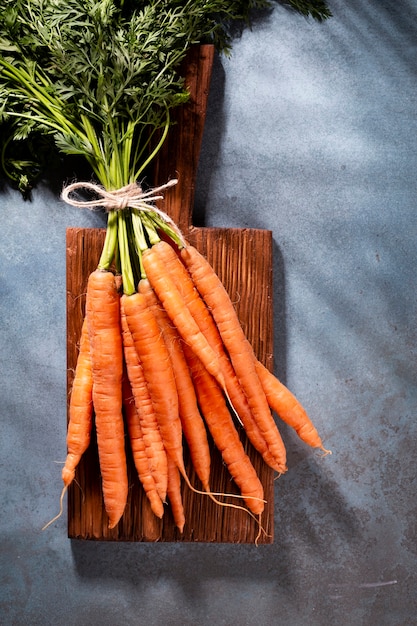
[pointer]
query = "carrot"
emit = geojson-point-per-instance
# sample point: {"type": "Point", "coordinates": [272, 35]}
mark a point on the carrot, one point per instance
{"type": "Point", "coordinates": [103, 315]}
{"type": "Point", "coordinates": [179, 314]}
{"type": "Point", "coordinates": [80, 416]}
{"type": "Point", "coordinates": [238, 347]}
{"type": "Point", "coordinates": [158, 372]}
{"type": "Point", "coordinates": [288, 408]}
{"type": "Point", "coordinates": [138, 448]}
{"type": "Point", "coordinates": [191, 420]}
{"type": "Point", "coordinates": [225, 436]}
{"type": "Point", "coordinates": [80, 409]}
{"type": "Point", "coordinates": [174, 495]}
{"type": "Point", "coordinates": [205, 322]}
{"type": "Point", "coordinates": [154, 447]}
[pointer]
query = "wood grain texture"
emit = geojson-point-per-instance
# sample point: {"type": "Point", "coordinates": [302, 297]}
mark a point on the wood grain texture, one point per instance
{"type": "Point", "coordinates": [243, 260]}
{"type": "Point", "coordinates": [181, 150]}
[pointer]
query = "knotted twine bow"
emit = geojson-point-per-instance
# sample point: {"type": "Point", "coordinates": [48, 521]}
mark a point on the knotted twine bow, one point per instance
{"type": "Point", "coordinates": [131, 196]}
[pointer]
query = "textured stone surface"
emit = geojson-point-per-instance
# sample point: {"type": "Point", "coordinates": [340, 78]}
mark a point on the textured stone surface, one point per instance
{"type": "Point", "coordinates": [311, 133]}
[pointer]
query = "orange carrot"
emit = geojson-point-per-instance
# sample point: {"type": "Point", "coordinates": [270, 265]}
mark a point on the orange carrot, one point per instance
{"type": "Point", "coordinates": [148, 422]}
{"type": "Point", "coordinates": [80, 416]}
{"type": "Point", "coordinates": [238, 347]}
{"type": "Point", "coordinates": [174, 495]}
{"type": "Point", "coordinates": [288, 408]}
{"type": "Point", "coordinates": [225, 436]}
{"type": "Point", "coordinates": [191, 420]}
{"type": "Point", "coordinates": [103, 315]}
{"type": "Point", "coordinates": [80, 409]}
{"type": "Point", "coordinates": [138, 448]}
{"type": "Point", "coordinates": [179, 314]}
{"type": "Point", "coordinates": [158, 372]}
{"type": "Point", "coordinates": [205, 321]}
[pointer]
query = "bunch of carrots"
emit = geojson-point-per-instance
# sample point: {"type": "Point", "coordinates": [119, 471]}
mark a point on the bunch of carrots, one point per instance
{"type": "Point", "coordinates": [168, 363]}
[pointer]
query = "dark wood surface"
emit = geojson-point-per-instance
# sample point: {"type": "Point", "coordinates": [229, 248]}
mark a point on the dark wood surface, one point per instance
{"type": "Point", "coordinates": [243, 260]}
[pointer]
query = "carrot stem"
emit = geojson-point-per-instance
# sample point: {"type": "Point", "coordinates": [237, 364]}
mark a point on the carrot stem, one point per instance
{"type": "Point", "coordinates": [126, 265]}
{"type": "Point", "coordinates": [157, 148]}
{"type": "Point", "coordinates": [110, 242]}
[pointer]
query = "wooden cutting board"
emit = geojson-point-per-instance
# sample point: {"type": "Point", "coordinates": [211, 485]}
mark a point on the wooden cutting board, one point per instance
{"type": "Point", "coordinates": [243, 260]}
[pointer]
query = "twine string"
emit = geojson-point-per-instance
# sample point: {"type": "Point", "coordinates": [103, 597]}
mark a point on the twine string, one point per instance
{"type": "Point", "coordinates": [130, 196]}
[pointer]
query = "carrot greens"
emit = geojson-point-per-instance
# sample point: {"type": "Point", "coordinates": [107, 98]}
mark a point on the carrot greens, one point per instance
{"type": "Point", "coordinates": [98, 78]}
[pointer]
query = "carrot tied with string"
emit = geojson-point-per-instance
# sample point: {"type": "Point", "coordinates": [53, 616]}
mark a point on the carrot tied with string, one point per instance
{"type": "Point", "coordinates": [103, 317]}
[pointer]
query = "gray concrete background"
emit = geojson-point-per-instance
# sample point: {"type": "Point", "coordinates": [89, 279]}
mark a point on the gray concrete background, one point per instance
{"type": "Point", "coordinates": [311, 133]}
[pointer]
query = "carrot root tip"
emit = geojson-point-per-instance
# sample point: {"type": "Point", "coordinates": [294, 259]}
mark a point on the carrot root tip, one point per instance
{"type": "Point", "coordinates": [61, 508]}
{"type": "Point", "coordinates": [261, 530]}
{"type": "Point", "coordinates": [324, 452]}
